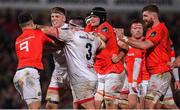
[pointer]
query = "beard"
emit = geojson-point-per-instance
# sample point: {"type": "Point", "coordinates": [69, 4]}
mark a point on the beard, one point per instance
{"type": "Point", "coordinates": [148, 24]}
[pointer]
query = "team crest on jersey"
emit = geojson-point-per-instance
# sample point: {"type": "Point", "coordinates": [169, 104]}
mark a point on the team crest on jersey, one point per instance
{"type": "Point", "coordinates": [153, 34]}
{"type": "Point", "coordinates": [104, 29]}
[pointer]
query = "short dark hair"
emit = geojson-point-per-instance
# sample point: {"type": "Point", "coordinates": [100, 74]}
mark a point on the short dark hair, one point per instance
{"type": "Point", "coordinates": [135, 21]}
{"type": "Point", "coordinates": [151, 8]}
{"type": "Point", "coordinates": [24, 17]}
{"type": "Point", "coordinates": [58, 10]}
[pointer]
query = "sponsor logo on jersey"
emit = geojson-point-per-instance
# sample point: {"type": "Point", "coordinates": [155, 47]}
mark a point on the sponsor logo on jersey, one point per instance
{"type": "Point", "coordinates": [153, 34]}
{"type": "Point", "coordinates": [130, 54]}
{"type": "Point", "coordinates": [104, 29]}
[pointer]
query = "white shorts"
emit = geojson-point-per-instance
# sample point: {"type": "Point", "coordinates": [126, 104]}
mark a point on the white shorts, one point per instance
{"type": "Point", "coordinates": [27, 83]}
{"type": "Point", "coordinates": [59, 79]}
{"type": "Point", "coordinates": [131, 91]}
{"type": "Point", "coordinates": [59, 82]}
{"type": "Point", "coordinates": [83, 92]}
{"type": "Point", "coordinates": [111, 84]}
{"type": "Point", "coordinates": [143, 88]}
{"type": "Point", "coordinates": [168, 97]}
{"type": "Point", "coordinates": [158, 86]}
{"type": "Point", "coordinates": [125, 89]}
{"type": "Point", "coordinates": [168, 93]}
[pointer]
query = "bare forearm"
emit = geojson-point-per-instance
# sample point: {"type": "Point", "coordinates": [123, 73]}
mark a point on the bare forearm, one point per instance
{"type": "Point", "coordinates": [122, 55]}
{"type": "Point", "coordinates": [137, 43]}
{"type": "Point", "coordinates": [49, 30]}
{"type": "Point", "coordinates": [175, 70]}
{"type": "Point", "coordinates": [177, 62]}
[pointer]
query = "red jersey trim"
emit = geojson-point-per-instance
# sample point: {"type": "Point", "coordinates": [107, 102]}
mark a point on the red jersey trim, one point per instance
{"type": "Point", "coordinates": [55, 88]}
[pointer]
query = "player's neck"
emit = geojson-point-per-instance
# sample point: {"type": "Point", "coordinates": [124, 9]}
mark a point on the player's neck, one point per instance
{"type": "Point", "coordinates": [156, 22]}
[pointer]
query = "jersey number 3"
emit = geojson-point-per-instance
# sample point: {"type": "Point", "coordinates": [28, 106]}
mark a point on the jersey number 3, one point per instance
{"type": "Point", "coordinates": [24, 46]}
{"type": "Point", "coordinates": [89, 54]}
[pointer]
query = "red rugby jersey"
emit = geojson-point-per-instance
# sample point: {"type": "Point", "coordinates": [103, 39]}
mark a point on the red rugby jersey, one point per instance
{"type": "Point", "coordinates": [103, 63]}
{"type": "Point", "coordinates": [158, 56]}
{"type": "Point", "coordinates": [131, 56]}
{"type": "Point", "coordinates": [29, 47]}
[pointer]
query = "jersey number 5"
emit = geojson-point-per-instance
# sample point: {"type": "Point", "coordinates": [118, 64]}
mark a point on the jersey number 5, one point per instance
{"type": "Point", "coordinates": [24, 46]}
{"type": "Point", "coordinates": [89, 54]}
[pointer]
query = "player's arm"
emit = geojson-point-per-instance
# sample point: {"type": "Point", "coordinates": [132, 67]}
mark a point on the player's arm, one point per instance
{"type": "Point", "coordinates": [175, 73]}
{"type": "Point", "coordinates": [101, 39]}
{"type": "Point", "coordinates": [176, 63]}
{"type": "Point", "coordinates": [101, 36]}
{"type": "Point", "coordinates": [102, 44]}
{"type": "Point", "coordinates": [133, 42]}
{"type": "Point", "coordinates": [137, 43]}
{"type": "Point", "coordinates": [117, 57]}
{"type": "Point", "coordinates": [175, 70]}
{"type": "Point", "coordinates": [49, 30]}
{"type": "Point", "coordinates": [123, 51]}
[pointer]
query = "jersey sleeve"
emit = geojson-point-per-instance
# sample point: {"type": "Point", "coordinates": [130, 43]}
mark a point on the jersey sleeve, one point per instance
{"type": "Point", "coordinates": [45, 38]}
{"type": "Point", "coordinates": [88, 28]}
{"type": "Point", "coordinates": [105, 31]}
{"type": "Point", "coordinates": [65, 34]}
{"type": "Point", "coordinates": [175, 71]}
{"type": "Point", "coordinates": [156, 36]}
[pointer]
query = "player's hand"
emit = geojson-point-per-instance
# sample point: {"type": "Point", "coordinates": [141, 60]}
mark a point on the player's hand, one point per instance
{"type": "Point", "coordinates": [170, 65]}
{"type": "Point", "coordinates": [35, 26]}
{"type": "Point", "coordinates": [115, 58]}
{"type": "Point", "coordinates": [177, 85]}
{"type": "Point", "coordinates": [177, 62]}
{"type": "Point", "coordinates": [119, 33]}
{"type": "Point", "coordinates": [135, 87]}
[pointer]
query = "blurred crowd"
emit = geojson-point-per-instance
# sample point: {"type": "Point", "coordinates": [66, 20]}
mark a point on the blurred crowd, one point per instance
{"type": "Point", "coordinates": [9, 30]}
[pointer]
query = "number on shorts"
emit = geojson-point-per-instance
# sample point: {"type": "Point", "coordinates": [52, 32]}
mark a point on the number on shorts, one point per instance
{"type": "Point", "coordinates": [24, 46]}
{"type": "Point", "coordinates": [89, 54]}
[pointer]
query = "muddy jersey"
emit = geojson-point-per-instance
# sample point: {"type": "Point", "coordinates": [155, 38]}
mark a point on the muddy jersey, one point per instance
{"type": "Point", "coordinates": [103, 63]}
{"type": "Point", "coordinates": [80, 49]}
{"type": "Point", "coordinates": [59, 56]}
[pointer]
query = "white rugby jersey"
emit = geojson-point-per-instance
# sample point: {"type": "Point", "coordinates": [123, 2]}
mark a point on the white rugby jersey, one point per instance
{"type": "Point", "coordinates": [59, 57]}
{"type": "Point", "coordinates": [80, 49]}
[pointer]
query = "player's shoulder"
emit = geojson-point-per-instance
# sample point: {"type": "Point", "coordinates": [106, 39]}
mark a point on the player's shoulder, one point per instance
{"type": "Point", "coordinates": [21, 36]}
{"type": "Point", "coordinates": [37, 31]}
{"type": "Point", "coordinates": [106, 24]}
{"type": "Point", "coordinates": [160, 27]}
{"type": "Point", "coordinates": [105, 27]}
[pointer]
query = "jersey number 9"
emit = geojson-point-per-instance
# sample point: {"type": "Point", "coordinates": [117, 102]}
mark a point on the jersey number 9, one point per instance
{"type": "Point", "coordinates": [24, 46]}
